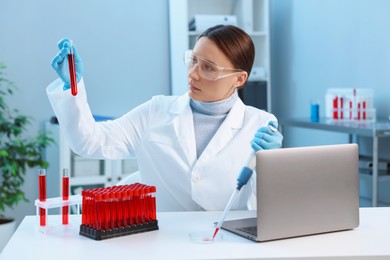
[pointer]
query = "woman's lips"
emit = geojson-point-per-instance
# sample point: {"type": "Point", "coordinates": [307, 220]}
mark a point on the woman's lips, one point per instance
{"type": "Point", "coordinates": [193, 88]}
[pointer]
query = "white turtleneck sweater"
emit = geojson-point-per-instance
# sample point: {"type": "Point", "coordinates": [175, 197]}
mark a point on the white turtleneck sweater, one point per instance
{"type": "Point", "coordinates": [208, 117]}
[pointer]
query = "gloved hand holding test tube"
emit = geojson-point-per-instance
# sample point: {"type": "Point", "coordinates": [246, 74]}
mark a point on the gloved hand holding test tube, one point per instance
{"type": "Point", "coordinates": [68, 65]}
{"type": "Point", "coordinates": [243, 178]}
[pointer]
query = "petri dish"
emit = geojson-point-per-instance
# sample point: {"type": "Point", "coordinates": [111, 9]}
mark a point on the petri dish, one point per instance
{"type": "Point", "coordinates": [205, 237]}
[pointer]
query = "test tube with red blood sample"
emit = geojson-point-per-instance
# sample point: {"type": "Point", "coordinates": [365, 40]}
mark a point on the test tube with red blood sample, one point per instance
{"type": "Point", "coordinates": [72, 70]}
{"type": "Point", "coordinates": [42, 195]}
{"type": "Point", "coordinates": [65, 196]}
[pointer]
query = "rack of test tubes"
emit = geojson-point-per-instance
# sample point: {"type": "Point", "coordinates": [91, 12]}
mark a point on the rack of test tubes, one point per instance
{"type": "Point", "coordinates": [350, 104]}
{"type": "Point", "coordinates": [118, 211]}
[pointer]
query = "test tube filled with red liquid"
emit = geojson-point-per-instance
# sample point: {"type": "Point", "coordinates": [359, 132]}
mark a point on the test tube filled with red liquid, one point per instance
{"type": "Point", "coordinates": [65, 195]}
{"type": "Point", "coordinates": [42, 195]}
{"type": "Point", "coordinates": [72, 70]}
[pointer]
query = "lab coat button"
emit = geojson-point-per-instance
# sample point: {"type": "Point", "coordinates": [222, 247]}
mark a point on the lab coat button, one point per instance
{"type": "Point", "coordinates": [196, 179]}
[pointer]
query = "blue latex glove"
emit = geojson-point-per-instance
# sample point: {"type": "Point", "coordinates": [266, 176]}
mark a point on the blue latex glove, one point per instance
{"type": "Point", "coordinates": [60, 63]}
{"type": "Point", "coordinates": [267, 138]}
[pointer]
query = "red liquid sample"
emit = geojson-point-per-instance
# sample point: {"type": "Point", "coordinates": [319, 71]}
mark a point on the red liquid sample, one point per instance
{"type": "Point", "coordinates": [42, 197]}
{"type": "Point", "coordinates": [364, 110]}
{"type": "Point", "coordinates": [118, 206]}
{"type": "Point", "coordinates": [359, 109]}
{"type": "Point", "coordinates": [335, 108]}
{"type": "Point", "coordinates": [65, 196]}
{"type": "Point", "coordinates": [72, 74]}
{"type": "Point", "coordinates": [350, 109]}
{"type": "Point", "coordinates": [84, 203]}
{"type": "Point", "coordinates": [215, 232]}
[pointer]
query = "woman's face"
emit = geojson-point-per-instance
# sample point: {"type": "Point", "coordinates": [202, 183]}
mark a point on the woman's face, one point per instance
{"type": "Point", "coordinates": [212, 90]}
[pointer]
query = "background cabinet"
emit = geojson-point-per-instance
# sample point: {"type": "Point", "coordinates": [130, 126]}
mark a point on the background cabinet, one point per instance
{"type": "Point", "coordinates": [252, 16]}
{"type": "Point", "coordinates": [85, 173]}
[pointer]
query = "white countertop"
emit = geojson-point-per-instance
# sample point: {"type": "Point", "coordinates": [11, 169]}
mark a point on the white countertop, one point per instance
{"type": "Point", "coordinates": [370, 240]}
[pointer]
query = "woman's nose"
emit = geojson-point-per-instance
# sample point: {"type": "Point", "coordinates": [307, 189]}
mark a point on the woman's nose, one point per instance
{"type": "Point", "coordinates": [193, 72]}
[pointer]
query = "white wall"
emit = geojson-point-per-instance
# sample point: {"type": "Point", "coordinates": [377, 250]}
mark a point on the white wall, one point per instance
{"type": "Point", "coordinates": [323, 44]}
{"type": "Point", "coordinates": [124, 45]}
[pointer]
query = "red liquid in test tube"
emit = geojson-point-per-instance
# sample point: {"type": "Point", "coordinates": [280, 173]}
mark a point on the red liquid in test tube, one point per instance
{"type": "Point", "coordinates": [84, 203]}
{"type": "Point", "coordinates": [364, 110]}
{"type": "Point", "coordinates": [114, 204]}
{"type": "Point", "coordinates": [350, 109]}
{"type": "Point", "coordinates": [42, 195]}
{"type": "Point", "coordinates": [118, 211]}
{"type": "Point", "coordinates": [90, 206]}
{"type": "Point", "coordinates": [96, 210]}
{"type": "Point", "coordinates": [335, 108]}
{"type": "Point", "coordinates": [72, 71]}
{"type": "Point", "coordinates": [102, 211]}
{"type": "Point", "coordinates": [359, 108]}
{"type": "Point", "coordinates": [130, 206]}
{"type": "Point", "coordinates": [136, 205]}
{"type": "Point", "coordinates": [65, 196]}
{"type": "Point", "coordinates": [107, 216]}
{"type": "Point", "coordinates": [84, 218]}
{"type": "Point", "coordinates": [86, 208]}
{"type": "Point", "coordinates": [141, 204]}
{"type": "Point", "coordinates": [126, 206]}
{"type": "Point", "coordinates": [99, 211]}
{"type": "Point", "coordinates": [123, 206]}
{"type": "Point", "coordinates": [147, 204]}
{"type": "Point", "coordinates": [154, 215]}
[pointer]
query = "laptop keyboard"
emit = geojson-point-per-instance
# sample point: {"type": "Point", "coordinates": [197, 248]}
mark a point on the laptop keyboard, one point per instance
{"type": "Point", "coordinates": [249, 230]}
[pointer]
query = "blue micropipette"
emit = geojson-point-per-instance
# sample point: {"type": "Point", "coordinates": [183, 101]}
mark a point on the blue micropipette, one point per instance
{"type": "Point", "coordinates": [243, 178]}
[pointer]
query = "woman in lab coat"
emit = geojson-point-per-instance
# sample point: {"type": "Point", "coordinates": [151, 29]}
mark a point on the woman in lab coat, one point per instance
{"type": "Point", "coordinates": [191, 147]}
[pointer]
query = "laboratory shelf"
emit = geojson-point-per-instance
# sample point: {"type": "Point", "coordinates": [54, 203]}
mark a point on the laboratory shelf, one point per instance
{"type": "Point", "coordinates": [354, 128]}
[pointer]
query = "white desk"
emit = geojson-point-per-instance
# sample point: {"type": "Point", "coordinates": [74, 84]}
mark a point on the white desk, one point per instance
{"type": "Point", "coordinates": [369, 241]}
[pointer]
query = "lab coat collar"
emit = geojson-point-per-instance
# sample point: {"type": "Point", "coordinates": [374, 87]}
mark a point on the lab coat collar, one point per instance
{"type": "Point", "coordinates": [181, 104]}
{"type": "Point", "coordinates": [184, 129]}
{"type": "Point", "coordinates": [183, 124]}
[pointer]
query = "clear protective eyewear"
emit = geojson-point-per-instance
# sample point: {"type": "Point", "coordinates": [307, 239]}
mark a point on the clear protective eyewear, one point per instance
{"type": "Point", "coordinates": [207, 69]}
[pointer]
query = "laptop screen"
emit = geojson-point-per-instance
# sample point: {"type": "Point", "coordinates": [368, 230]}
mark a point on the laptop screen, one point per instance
{"type": "Point", "coordinates": [306, 190]}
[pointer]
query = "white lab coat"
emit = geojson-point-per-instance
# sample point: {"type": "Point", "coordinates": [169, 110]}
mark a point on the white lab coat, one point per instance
{"type": "Point", "coordinates": [160, 134]}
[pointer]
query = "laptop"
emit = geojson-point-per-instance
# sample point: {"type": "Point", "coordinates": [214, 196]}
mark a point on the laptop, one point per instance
{"type": "Point", "coordinates": [303, 191]}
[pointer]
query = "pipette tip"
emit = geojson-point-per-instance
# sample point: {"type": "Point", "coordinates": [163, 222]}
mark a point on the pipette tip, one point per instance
{"type": "Point", "coordinates": [215, 233]}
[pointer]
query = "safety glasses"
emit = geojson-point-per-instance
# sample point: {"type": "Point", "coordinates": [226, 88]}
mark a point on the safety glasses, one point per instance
{"type": "Point", "coordinates": [207, 69]}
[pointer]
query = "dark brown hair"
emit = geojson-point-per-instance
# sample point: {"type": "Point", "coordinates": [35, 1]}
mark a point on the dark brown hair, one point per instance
{"type": "Point", "coordinates": [235, 43]}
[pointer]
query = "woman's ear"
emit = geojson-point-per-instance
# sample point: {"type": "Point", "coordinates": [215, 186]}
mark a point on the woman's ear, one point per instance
{"type": "Point", "coordinates": [241, 79]}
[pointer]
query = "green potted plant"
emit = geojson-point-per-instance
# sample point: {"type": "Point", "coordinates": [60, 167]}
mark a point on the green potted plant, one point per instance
{"type": "Point", "coordinates": [18, 152]}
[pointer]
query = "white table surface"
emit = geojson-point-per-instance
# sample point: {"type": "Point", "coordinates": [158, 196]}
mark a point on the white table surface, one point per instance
{"type": "Point", "coordinates": [371, 240]}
